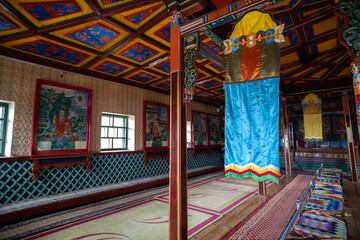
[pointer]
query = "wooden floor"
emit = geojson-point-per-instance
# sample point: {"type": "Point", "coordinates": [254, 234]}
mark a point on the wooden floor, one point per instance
{"type": "Point", "coordinates": [351, 191]}
{"type": "Point", "coordinates": [224, 226]}
{"type": "Point", "coordinates": [238, 215]}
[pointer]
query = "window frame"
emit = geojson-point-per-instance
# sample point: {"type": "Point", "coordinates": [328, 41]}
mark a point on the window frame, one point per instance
{"type": "Point", "coordinates": [126, 137]}
{"type": "Point", "coordinates": [5, 119]}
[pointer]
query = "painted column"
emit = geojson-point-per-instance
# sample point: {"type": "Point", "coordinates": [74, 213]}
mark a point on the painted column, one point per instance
{"type": "Point", "coordinates": [178, 174]}
{"type": "Point", "coordinates": [355, 69]}
{"type": "Point", "coordinates": [351, 148]}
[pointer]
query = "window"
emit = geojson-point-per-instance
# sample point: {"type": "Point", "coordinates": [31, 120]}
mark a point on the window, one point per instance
{"type": "Point", "coordinates": [188, 134]}
{"type": "Point", "coordinates": [3, 127]}
{"type": "Point", "coordinates": [117, 132]}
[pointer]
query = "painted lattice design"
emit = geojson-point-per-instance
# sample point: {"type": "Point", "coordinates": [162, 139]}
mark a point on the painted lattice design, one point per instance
{"type": "Point", "coordinates": [16, 183]}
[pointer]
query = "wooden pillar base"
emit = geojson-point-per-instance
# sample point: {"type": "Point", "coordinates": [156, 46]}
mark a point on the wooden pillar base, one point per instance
{"type": "Point", "coordinates": [262, 188]}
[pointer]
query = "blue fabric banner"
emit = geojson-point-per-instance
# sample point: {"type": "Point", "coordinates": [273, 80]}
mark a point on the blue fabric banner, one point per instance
{"type": "Point", "coordinates": [252, 129]}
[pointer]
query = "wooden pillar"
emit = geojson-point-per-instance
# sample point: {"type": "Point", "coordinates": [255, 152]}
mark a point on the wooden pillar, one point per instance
{"type": "Point", "coordinates": [354, 175]}
{"type": "Point", "coordinates": [262, 188]}
{"type": "Point", "coordinates": [355, 69]}
{"type": "Point", "coordinates": [286, 140]}
{"type": "Point", "coordinates": [178, 172]}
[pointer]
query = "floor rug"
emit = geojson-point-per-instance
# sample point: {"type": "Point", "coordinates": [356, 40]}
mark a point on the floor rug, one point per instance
{"type": "Point", "coordinates": [221, 195]}
{"type": "Point", "coordinates": [270, 220]}
{"type": "Point", "coordinates": [142, 215]}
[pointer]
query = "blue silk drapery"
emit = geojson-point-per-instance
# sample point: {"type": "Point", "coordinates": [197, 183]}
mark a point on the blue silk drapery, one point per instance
{"type": "Point", "coordinates": [252, 129]}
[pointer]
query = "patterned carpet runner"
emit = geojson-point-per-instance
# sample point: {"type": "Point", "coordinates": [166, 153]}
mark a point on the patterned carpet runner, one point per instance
{"type": "Point", "coordinates": [268, 222]}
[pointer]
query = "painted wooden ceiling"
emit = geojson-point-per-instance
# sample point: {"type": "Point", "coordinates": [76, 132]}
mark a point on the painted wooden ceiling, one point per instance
{"type": "Point", "coordinates": [128, 41]}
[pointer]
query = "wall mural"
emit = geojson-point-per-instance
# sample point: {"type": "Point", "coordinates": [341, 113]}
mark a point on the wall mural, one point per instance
{"type": "Point", "coordinates": [62, 118]}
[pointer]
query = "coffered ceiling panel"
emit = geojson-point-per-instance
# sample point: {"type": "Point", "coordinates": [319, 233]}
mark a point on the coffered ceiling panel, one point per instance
{"type": "Point", "coordinates": [128, 41]}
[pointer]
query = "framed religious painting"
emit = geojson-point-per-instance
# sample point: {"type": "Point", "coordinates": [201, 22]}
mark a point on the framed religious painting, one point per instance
{"type": "Point", "coordinates": [156, 126]}
{"type": "Point", "coordinates": [339, 124]}
{"type": "Point", "coordinates": [62, 118]}
{"type": "Point", "coordinates": [326, 125]}
{"type": "Point", "coordinates": [214, 130]}
{"type": "Point", "coordinates": [300, 126]}
{"type": "Point", "coordinates": [199, 127]}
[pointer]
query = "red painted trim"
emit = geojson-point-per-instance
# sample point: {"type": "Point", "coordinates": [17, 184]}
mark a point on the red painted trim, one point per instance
{"type": "Point", "coordinates": [36, 153]}
{"type": "Point", "coordinates": [54, 206]}
{"type": "Point", "coordinates": [15, 159]}
{"type": "Point", "coordinates": [117, 153]}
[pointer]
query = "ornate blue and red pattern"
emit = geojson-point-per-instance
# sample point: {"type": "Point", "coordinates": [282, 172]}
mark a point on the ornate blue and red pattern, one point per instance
{"type": "Point", "coordinates": [213, 46]}
{"type": "Point", "coordinates": [210, 84]}
{"type": "Point", "coordinates": [200, 76]}
{"type": "Point", "coordinates": [318, 225]}
{"type": "Point", "coordinates": [138, 17]}
{"type": "Point", "coordinates": [142, 77]}
{"type": "Point", "coordinates": [49, 10]}
{"type": "Point", "coordinates": [217, 67]}
{"type": "Point", "coordinates": [202, 95]}
{"type": "Point", "coordinates": [6, 24]}
{"type": "Point", "coordinates": [163, 85]}
{"type": "Point", "coordinates": [96, 35]}
{"type": "Point", "coordinates": [201, 56]}
{"type": "Point", "coordinates": [164, 66]}
{"type": "Point", "coordinates": [111, 68]}
{"type": "Point", "coordinates": [219, 91]}
{"type": "Point", "coordinates": [325, 203]}
{"type": "Point", "coordinates": [108, 2]}
{"type": "Point", "coordinates": [164, 32]}
{"type": "Point", "coordinates": [49, 50]}
{"type": "Point", "coordinates": [138, 52]}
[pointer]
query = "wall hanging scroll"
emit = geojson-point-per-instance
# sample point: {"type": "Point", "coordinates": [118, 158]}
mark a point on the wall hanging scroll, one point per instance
{"type": "Point", "coordinates": [252, 98]}
{"type": "Point", "coordinates": [312, 118]}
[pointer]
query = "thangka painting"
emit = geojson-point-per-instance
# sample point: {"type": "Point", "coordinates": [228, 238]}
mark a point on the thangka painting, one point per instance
{"type": "Point", "coordinates": [339, 124]}
{"type": "Point", "coordinates": [214, 130]}
{"type": "Point", "coordinates": [199, 129]}
{"type": "Point", "coordinates": [156, 125]}
{"type": "Point", "coordinates": [62, 118]}
{"type": "Point", "coordinates": [326, 125]}
{"type": "Point", "coordinates": [313, 127]}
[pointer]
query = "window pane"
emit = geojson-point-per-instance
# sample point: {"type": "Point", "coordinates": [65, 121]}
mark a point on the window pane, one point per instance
{"type": "Point", "coordinates": [112, 132]}
{"type": "Point", "coordinates": [105, 121]}
{"type": "Point", "coordinates": [2, 111]}
{"type": "Point", "coordinates": [1, 152]}
{"type": "Point", "coordinates": [119, 143]}
{"type": "Point", "coordinates": [121, 132]}
{"type": "Point", "coordinates": [119, 122]}
{"type": "Point", "coordinates": [1, 128]}
{"type": "Point", "coordinates": [104, 132]}
{"type": "Point", "coordinates": [105, 143]}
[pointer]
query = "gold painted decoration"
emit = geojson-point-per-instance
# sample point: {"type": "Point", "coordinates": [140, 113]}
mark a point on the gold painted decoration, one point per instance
{"type": "Point", "coordinates": [312, 117]}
